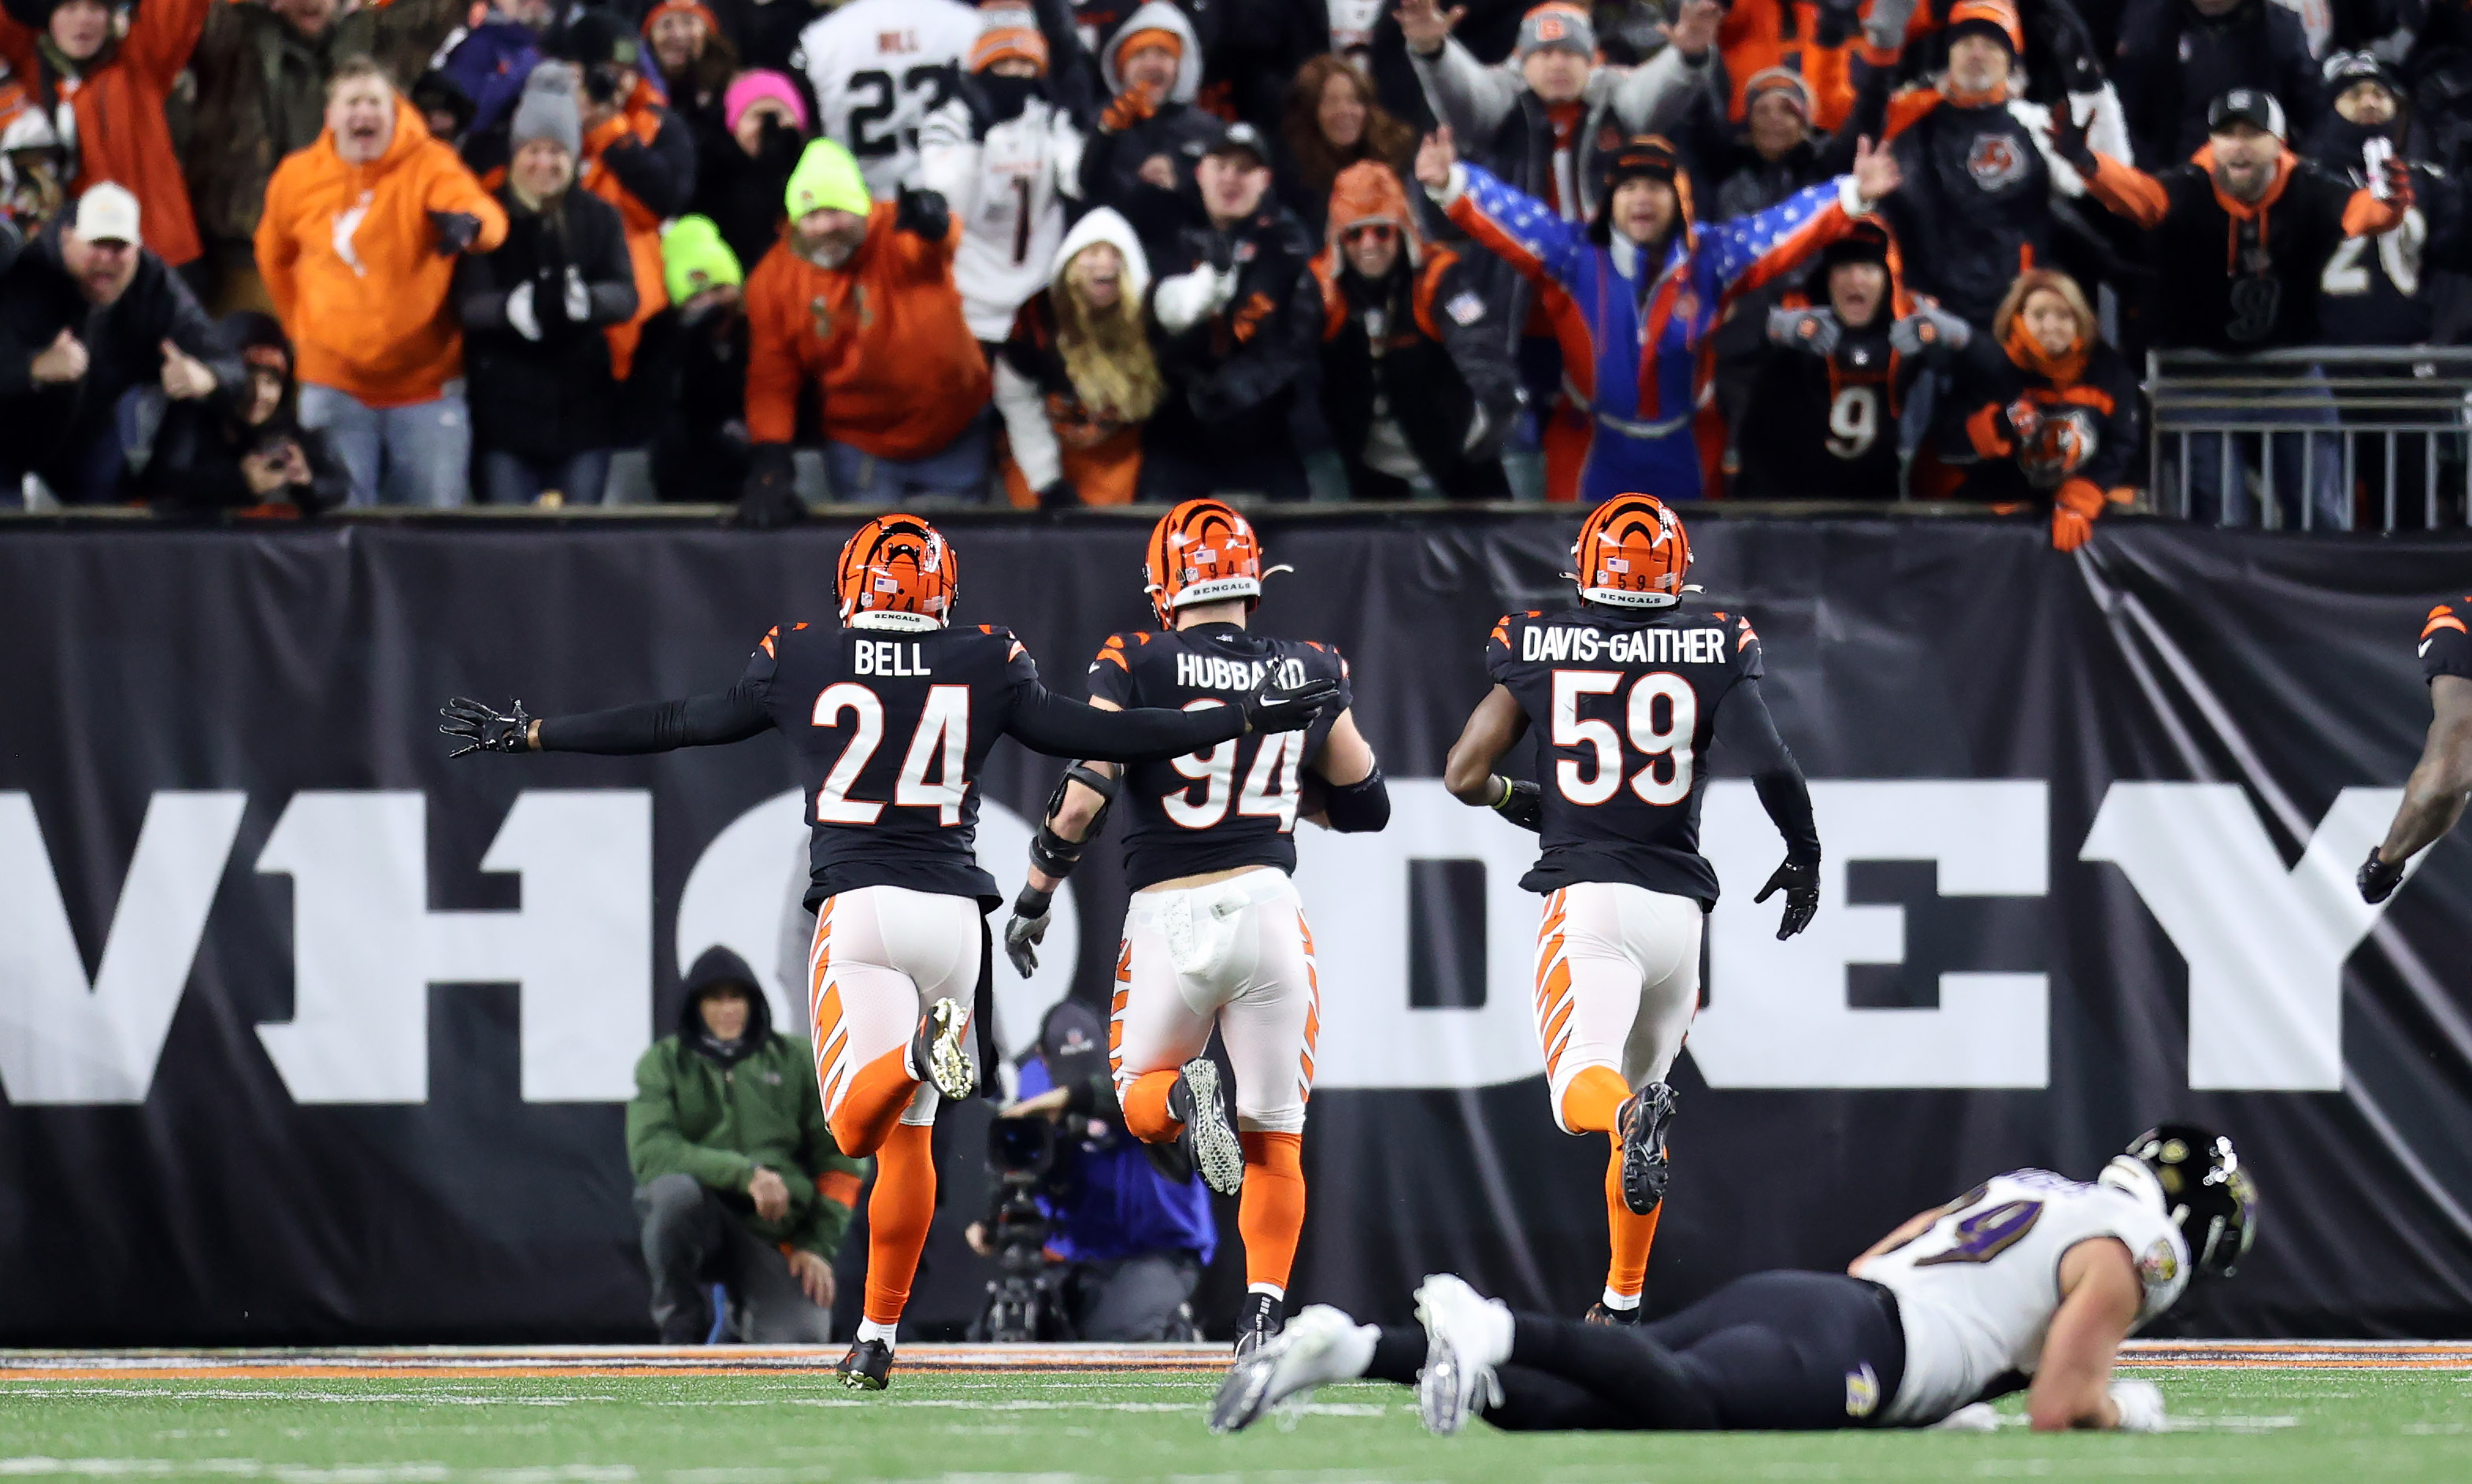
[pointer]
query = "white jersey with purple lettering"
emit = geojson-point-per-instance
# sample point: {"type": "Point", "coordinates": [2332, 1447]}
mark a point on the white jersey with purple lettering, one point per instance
{"type": "Point", "coordinates": [1978, 1288]}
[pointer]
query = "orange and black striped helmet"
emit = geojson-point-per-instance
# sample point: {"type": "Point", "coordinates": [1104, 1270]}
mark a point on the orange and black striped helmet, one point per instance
{"type": "Point", "coordinates": [1631, 553]}
{"type": "Point", "coordinates": [898, 564]}
{"type": "Point", "coordinates": [1202, 552]}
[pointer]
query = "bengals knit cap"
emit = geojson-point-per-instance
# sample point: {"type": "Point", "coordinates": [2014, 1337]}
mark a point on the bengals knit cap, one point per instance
{"type": "Point", "coordinates": [693, 258]}
{"type": "Point", "coordinates": [827, 179]}
{"type": "Point", "coordinates": [1008, 34]}
{"type": "Point", "coordinates": [2246, 105]}
{"type": "Point", "coordinates": [1557, 26]}
{"type": "Point", "coordinates": [1993, 18]}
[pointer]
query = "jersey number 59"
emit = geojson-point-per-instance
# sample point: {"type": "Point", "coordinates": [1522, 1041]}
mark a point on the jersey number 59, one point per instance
{"type": "Point", "coordinates": [941, 739]}
{"type": "Point", "coordinates": [1667, 745]}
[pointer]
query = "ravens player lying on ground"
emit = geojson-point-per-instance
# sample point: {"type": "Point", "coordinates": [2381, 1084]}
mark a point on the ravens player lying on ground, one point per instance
{"type": "Point", "coordinates": [1215, 935]}
{"type": "Point", "coordinates": [1631, 688]}
{"type": "Point", "coordinates": [2434, 799]}
{"type": "Point", "coordinates": [892, 712]}
{"type": "Point", "coordinates": [2026, 1282]}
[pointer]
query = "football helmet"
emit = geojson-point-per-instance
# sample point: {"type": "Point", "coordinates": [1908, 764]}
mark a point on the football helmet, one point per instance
{"type": "Point", "coordinates": [2194, 1176]}
{"type": "Point", "coordinates": [896, 572]}
{"type": "Point", "coordinates": [1202, 552]}
{"type": "Point", "coordinates": [1631, 553]}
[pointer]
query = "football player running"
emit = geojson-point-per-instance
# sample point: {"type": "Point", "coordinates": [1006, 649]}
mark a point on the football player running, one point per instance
{"type": "Point", "coordinates": [2433, 800]}
{"type": "Point", "coordinates": [1630, 687]}
{"type": "Point", "coordinates": [2028, 1281]}
{"type": "Point", "coordinates": [1215, 935]}
{"type": "Point", "coordinates": [892, 712]}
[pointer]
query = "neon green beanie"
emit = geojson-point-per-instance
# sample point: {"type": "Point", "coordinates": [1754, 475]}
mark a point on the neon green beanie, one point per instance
{"type": "Point", "coordinates": [693, 258]}
{"type": "Point", "coordinates": [827, 179]}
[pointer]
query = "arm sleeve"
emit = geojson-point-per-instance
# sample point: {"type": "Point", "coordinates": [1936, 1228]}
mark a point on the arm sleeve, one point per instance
{"type": "Point", "coordinates": [1652, 97]}
{"type": "Point", "coordinates": [1060, 727]}
{"type": "Point", "coordinates": [1516, 227]}
{"type": "Point", "coordinates": [160, 37]}
{"type": "Point", "coordinates": [729, 716]}
{"type": "Point", "coordinates": [276, 251]}
{"type": "Point", "coordinates": [1744, 254]}
{"type": "Point", "coordinates": [1749, 733]}
{"type": "Point", "coordinates": [451, 187]}
{"type": "Point", "coordinates": [772, 371]}
{"type": "Point", "coordinates": [2117, 442]}
{"type": "Point", "coordinates": [1282, 346]}
{"type": "Point", "coordinates": [1472, 98]}
{"type": "Point", "coordinates": [479, 304]}
{"type": "Point", "coordinates": [2129, 192]}
{"type": "Point", "coordinates": [611, 278]}
{"type": "Point", "coordinates": [193, 332]}
{"type": "Point", "coordinates": [659, 173]}
{"type": "Point", "coordinates": [1035, 445]}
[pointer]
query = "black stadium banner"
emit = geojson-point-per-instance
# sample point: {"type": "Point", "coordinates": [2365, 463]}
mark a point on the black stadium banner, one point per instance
{"type": "Point", "coordinates": [308, 1035]}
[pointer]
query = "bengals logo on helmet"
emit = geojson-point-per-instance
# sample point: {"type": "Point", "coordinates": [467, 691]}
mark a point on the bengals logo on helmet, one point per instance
{"type": "Point", "coordinates": [1631, 553]}
{"type": "Point", "coordinates": [898, 570]}
{"type": "Point", "coordinates": [1202, 552]}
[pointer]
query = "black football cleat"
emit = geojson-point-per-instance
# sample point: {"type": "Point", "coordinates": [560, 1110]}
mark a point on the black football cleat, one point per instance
{"type": "Point", "coordinates": [1209, 1140]}
{"type": "Point", "coordinates": [1258, 1323]}
{"type": "Point", "coordinates": [867, 1367]}
{"type": "Point", "coordinates": [1605, 1314]}
{"type": "Point", "coordinates": [1642, 1121]}
{"type": "Point", "coordinates": [940, 1050]}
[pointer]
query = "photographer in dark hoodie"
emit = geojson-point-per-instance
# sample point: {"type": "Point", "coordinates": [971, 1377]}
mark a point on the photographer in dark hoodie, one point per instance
{"type": "Point", "coordinates": [734, 1167]}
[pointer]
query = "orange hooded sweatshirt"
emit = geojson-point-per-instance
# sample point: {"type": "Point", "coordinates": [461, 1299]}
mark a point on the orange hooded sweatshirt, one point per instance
{"type": "Point", "coordinates": [352, 263]}
{"type": "Point", "coordinates": [118, 104]}
{"type": "Point", "coordinates": [882, 336]}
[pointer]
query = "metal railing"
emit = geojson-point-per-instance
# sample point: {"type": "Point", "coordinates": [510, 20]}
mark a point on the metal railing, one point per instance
{"type": "Point", "coordinates": [2326, 438]}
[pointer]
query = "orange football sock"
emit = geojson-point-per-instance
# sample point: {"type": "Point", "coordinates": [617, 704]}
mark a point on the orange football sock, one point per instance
{"type": "Point", "coordinates": [897, 1214]}
{"type": "Point", "coordinates": [1631, 1236]}
{"type": "Point", "coordinates": [1145, 1103]}
{"type": "Point", "coordinates": [1271, 1213]}
{"type": "Point", "coordinates": [1593, 1099]}
{"type": "Point", "coordinates": [873, 1103]}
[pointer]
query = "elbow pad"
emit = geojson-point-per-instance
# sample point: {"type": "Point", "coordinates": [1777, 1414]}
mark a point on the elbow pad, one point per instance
{"type": "Point", "coordinates": [1358, 808]}
{"type": "Point", "coordinates": [1051, 852]}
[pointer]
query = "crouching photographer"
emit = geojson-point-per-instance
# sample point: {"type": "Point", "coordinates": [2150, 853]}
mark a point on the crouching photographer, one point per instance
{"type": "Point", "coordinates": [1094, 1239]}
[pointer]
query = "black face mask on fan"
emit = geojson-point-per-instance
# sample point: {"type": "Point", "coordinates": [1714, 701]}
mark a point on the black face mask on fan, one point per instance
{"type": "Point", "coordinates": [1007, 96]}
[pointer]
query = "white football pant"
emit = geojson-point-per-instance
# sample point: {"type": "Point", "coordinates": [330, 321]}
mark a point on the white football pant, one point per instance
{"type": "Point", "coordinates": [1617, 982]}
{"type": "Point", "coordinates": [882, 955]}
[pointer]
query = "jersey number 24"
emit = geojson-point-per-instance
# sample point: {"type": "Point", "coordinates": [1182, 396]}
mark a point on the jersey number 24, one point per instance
{"type": "Point", "coordinates": [940, 740]}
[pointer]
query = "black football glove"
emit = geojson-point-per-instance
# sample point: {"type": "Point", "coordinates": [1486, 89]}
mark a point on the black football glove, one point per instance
{"type": "Point", "coordinates": [483, 730]}
{"type": "Point", "coordinates": [1279, 709]}
{"type": "Point", "coordinates": [457, 231]}
{"type": "Point", "coordinates": [1521, 802]}
{"type": "Point", "coordinates": [770, 499]}
{"type": "Point", "coordinates": [922, 214]}
{"type": "Point", "coordinates": [1027, 928]}
{"type": "Point", "coordinates": [2379, 877]}
{"type": "Point", "coordinates": [1799, 881]}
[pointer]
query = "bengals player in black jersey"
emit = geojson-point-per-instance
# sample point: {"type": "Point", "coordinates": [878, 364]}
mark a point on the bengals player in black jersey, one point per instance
{"type": "Point", "coordinates": [892, 712]}
{"type": "Point", "coordinates": [1215, 935]}
{"type": "Point", "coordinates": [2433, 800]}
{"type": "Point", "coordinates": [1631, 688]}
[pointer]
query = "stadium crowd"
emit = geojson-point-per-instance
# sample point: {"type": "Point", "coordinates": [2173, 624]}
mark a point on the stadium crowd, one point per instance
{"type": "Point", "coordinates": [289, 254]}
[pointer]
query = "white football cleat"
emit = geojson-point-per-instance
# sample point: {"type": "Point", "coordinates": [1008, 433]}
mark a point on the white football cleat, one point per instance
{"type": "Point", "coordinates": [1319, 1347]}
{"type": "Point", "coordinates": [1467, 1335]}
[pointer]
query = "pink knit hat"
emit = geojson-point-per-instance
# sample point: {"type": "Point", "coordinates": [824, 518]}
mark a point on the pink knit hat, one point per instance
{"type": "Point", "coordinates": [749, 89]}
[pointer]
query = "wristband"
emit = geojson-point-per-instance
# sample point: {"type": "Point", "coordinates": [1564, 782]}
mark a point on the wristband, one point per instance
{"type": "Point", "coordinates": [1032, 902]}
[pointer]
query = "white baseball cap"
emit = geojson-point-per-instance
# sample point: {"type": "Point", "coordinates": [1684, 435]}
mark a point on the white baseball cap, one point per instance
{"type": "Point", "coordinates": [107, 213]}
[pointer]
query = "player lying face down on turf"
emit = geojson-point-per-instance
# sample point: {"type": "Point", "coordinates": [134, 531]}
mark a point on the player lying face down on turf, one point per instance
{"type": "Point", "coordinates": [1631, 687]}
{"type": "Point", "coordinates": [1215, 935]}
{"type": "Point", "coordinates": [2433, 797]}
{"type": "Point", "coordinates": [2026, 1283]}
{"type": "Point", "coordinates": [892, 712]}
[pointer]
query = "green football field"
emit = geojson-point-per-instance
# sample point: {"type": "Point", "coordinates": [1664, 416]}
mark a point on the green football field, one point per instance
{"type": "Point", "coordinates": [2354, 1426]}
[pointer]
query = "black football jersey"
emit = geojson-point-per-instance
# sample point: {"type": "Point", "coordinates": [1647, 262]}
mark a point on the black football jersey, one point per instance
{"type": "Point", "coordinates": [1233, 805]}
{"type": "Point", "coordinates": [891, 728]}
{"type": "Point", "coordinates": [1624, 709]}
{"type": "Point", "coordinates": [2446, 642]}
